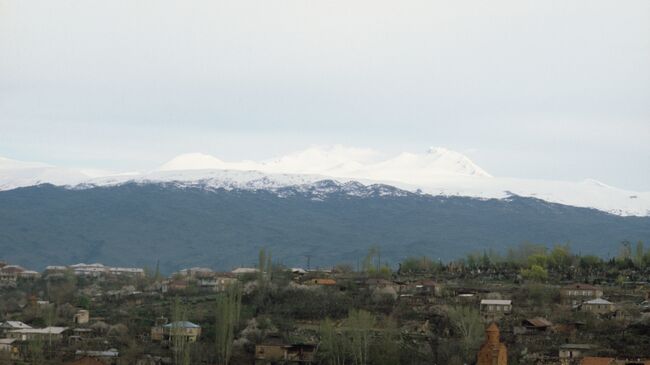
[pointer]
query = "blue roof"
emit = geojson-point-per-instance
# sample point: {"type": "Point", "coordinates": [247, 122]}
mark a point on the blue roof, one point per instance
{"type": "Point", "coordinates": [182, 324]}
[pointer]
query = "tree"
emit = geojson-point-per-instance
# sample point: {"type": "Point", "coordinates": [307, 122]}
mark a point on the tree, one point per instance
{"type": "Point", "coordinates": [535, 273]}
{"type": "Point", "coordinates": [228, 311]}
{"type": "Point", "coordinates": [638, 256]}
{"type": "Point", "coordinates": [386, 346]}
{"type": "Point", "coordinates": [333, 349]}
{"type": "Point", "coordinates": [359, 326]}
{"type": "Point", "coordinates": [560, 257]}
{"type": "Point", "coordinates": [466, 324]}
{"type": "Point", "coordinates": [35, 351]}
{"type": "Point", "coordinates": [180, 343]}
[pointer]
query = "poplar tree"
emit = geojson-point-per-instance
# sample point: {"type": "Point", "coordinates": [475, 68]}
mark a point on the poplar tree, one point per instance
{"type": "Point", "coordinates": [228, 310]}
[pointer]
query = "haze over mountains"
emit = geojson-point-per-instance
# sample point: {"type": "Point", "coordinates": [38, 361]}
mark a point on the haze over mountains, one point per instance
{"type": "Point", "coordinates": [438, 171]}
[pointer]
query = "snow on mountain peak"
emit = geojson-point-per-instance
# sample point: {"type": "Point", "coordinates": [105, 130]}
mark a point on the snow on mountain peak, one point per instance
{"type": "Point", "coordinates": [193, 161]}
{"type": "Point", "coordinates": [437, 171]}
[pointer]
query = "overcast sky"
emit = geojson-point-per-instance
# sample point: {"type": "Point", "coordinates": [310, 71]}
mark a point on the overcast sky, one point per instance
{"type": "Point", "coordinates": [535, 89]}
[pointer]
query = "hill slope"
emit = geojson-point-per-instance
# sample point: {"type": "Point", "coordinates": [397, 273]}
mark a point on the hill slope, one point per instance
{"type": "Point", "coordinates": [138, 224]}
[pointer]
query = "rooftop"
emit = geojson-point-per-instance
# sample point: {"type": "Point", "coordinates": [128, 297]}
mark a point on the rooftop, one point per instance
{"type": "Point", "coordinates": [496, 302]}
{"type": "Point", "coordinates": [44, 331]}
{"type": "Point", "coordinates": [598, 301]}
{"type": "Point", "coordinates": [182, 324]}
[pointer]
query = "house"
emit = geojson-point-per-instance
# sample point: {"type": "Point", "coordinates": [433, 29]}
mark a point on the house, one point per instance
{"type": "Point", "coordinates": [13, 325]}
{"type": "Point", "coordinates": [569, 352]}
{"type": "Point", "coordinates": [217, 284]}
{"type": "Point", "coordinates": [44, 334]}
{"type": "Point", "coordinates": [575, 294]}
{"type": "Point", "coordinates": [598, 306]}
{"type": "Point", "coordinates": [245, 270]}
{"type": "Point", "coordinates": [167, 331]}
{"type": "Point", "coordinates": [92, 270]}
{"type": "Point", "coordinates": [537, 324]}
{"type": "Point", "coordinates": [274, 352]}
{"type": "Point", "coordinates": [9, 274]}
{"type": "Point", "coordinates": [533, 326]}
{"type": "Point", "coordinates": [428, 287]}
{"type": "Point", "coordinates": [81, 317]}
{"type": "Point", "coordinates": [197, 272]}
{"type": "Point", "coordinates": [320, 281]}
{"type": "Point", "coordinates": [108, 357]}
{"type": "Point", "coordinates": [298, 271]}
{"type": "Point", "coordinates": [178, 285]}
{"type": "Point", "coordinates": [9, 345]}
{"type": "Point", "coordinates": [29, 274]}
{"type": "Point", "coordinates": [126, 271]}
{"type": "Point", "coordinates": [493, 351]}
{"type": "Point", "coordinates": [496, 306]}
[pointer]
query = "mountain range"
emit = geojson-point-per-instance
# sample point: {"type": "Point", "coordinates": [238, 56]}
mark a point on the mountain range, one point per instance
{"type": "Point", "coordinates": [438, 172]}
{"type": "Point", "coordinates": [327, 204]}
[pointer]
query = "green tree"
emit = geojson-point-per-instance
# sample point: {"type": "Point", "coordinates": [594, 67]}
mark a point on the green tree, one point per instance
{"type": "Point", "coordinates": [334, 346]}
{"type": "Point", "coordinates": [360, 325]}
{"type": "Point", "coordinates": [386, 345]}
{"type": "Point", "coordinates": [560, 257]}
{"type": "Point", "coordinates": [228, 311]}
{"type": "Point", "coordinates": [467, 325]}
{"type": "Point", "coordinates": [535, 273]}
{"type": "Point", "coordinates": [638, 257]}
{"type": "Point", "coordinates": [35, 351]}
{"type": "Point", "coordinates": [180, 342]}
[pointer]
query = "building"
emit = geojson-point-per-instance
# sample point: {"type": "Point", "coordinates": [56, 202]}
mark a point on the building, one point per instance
{"type": "Point", "coordinates": [217, 284]}
{"type": "Point", "coordinates": [278, 353]}
{"type": "Point", "coordinates": [537, 324]}
{"type": "Point", "coordinates": [533, 326]}
{"type": "Point", "coordinates": [428, 287]}
{"type": "Point", "coordinates": [167, 332]}
{"type": "Point", "coordinates": [13, 325]}
{"type": "Point", "coordinates": [107, 357]}
{"type": "Point", "coordinates": [492, 352]}
{"type": "Point", "coordinates": [197, 272]}
{"type": "Point", "coordinates": [598, 306]}
{"type": "Point", "coordinates": [43, 334]}
{"type": "Point", "coordinates": [321, 282]}
{"type": "Point", "coordinates": [92, 270]}
{"type": "Point", "coordinates": [245, 270]}
{"type": "Point", "coordinates": [10, 346]}
{"type": "Point", "coordinates": [575, 294]}
{"type": "Point", "coordinates": [570, 352]}
{"type": "Point", "coordinates": [9, 274]}
{"type": "Point", "coordinates": [97, 270]}
{"type": "Point", "coordinates": [81, 317]}
{"type": "Point", "coordinates": [496, 306]}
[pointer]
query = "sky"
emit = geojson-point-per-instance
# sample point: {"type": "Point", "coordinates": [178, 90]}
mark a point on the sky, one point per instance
{"type": "Point", "coordinates": [532, 89]}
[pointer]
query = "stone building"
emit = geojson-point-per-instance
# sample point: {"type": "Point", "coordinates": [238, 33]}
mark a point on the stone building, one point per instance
{"type": "Point", "coordinates": [492, 352]}
{"type": "Point", "coordinates": [575, 294]}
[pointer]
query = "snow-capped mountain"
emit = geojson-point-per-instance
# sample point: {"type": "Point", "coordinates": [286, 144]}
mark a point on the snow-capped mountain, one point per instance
{"type": "Point", "coordinates": [438, 171]}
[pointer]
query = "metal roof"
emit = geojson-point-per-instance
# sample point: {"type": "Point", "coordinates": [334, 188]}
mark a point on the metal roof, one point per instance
{"type": "Point", "coordinates": [496, 302]}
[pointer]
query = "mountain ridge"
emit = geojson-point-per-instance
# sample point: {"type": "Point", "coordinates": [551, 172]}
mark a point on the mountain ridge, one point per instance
{"type": "Point", "coordinates": [438, 171]}
{"type": "Point", "coordinates": [136, 224]}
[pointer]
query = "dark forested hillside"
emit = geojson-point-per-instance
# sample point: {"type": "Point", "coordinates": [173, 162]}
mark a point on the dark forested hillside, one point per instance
{"type": "Point", "coordinates": [137, 225]}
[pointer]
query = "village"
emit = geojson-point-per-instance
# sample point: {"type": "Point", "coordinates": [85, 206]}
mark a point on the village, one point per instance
{"type": "Point", "coordinates": [531, 306]}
